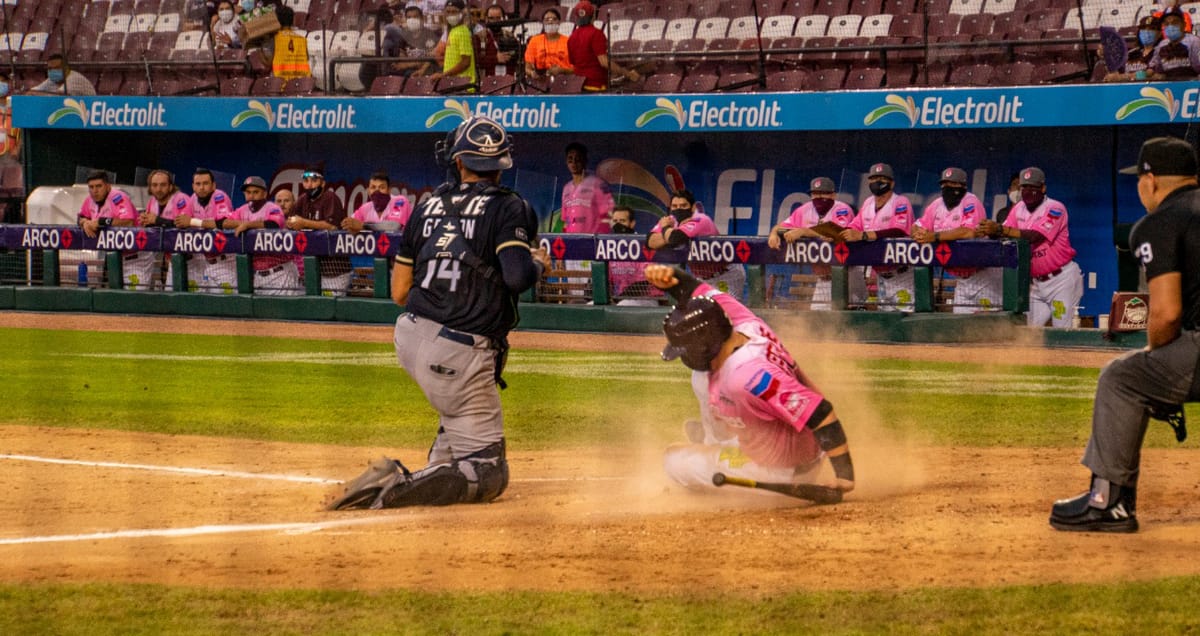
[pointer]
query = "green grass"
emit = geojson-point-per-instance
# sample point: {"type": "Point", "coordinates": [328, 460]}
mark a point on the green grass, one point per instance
{"type": "Point", "coordinates": [1155, 607]}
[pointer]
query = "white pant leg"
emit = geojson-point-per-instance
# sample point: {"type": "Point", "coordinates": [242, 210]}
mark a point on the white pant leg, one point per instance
{"type": "Point", "coordinates": [221, 275]}
{"type": "Point", "coordinates": [982, 291]}
{"type": "Point", "coordinates": [335, 285]}
{"type": "Point", "coordinates": [822, 295]}
{"type": "Point", "coordinates": [138, 272]}
{"type": "Point", "coordinates": [1056, 299]}
{"type": "Point", "coordinates": [285, 282]}
{"type": "Point", "coordinates": [693, 466]}
{"type": "Point", "coordinates": [732, 281]}
{"type": "Point", "coordinates": [896, 293]}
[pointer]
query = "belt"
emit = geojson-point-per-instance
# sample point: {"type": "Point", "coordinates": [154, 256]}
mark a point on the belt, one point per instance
{"type": "Point", "coordinates": [273, 270]}
{"type": "Point", "coordinates": [133, 256]}
{"type": "Point", "coordinates": [1046, 277]}
{"type": "Point", "coordinates": [899, 270]}
{"type": "Point", "coordinates": [457, 336]}
{"type": "Point", "coordinates": [216, 259]}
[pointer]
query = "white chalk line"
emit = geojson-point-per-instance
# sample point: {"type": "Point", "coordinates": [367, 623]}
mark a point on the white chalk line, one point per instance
{"type": "Point", "coordinates": [207, 472]}
{"type": "Point", "coordinates": [286, 528]}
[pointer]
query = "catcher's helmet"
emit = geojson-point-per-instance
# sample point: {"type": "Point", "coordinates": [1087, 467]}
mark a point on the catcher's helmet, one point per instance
{"type": "Point", "coordinates": [483, 144]}
{"type": "Point", "coordinates": [695, 332]}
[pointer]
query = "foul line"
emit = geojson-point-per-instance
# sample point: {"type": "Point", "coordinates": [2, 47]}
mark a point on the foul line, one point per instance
{"type": "Point", "coordinates": [287, 528]}
{"type": "Point", "coordinates": [175, 469]}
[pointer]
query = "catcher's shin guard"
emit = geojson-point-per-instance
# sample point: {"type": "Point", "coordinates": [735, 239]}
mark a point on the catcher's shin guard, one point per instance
{"type": "Point", "coordinates": [476, 478]}
{"type": "Point", "coordinates": [363, 491]}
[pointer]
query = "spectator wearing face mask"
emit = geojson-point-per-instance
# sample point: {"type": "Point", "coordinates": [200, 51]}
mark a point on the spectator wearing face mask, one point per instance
{"type": "Point", "coordinates": [225, 27]}
{"type": "Point", "coordinates": [61, 80]}
{"type": "Point", "coordinates": [319, 208]}
{"type": "Point", "coordinates": [1177, 57]}
{"type": "Point", "coordinates": [886, 214]}
{"type": "Point", "coordinates": [416, 41]}
{"type": "Point", "coordinates": [1137, 60]}
{"type": "Point", "coordinates": [954, 217]}
{"type": "Point", "coordinates": [459, 58]}
{"type": "Point", "coordinates": [823, 207]}
{"type": "Point", "coordinates": [546, 52]}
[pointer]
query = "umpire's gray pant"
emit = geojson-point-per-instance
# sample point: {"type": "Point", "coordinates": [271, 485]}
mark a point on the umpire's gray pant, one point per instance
{"type": "Point", "coordinates": [1127, 387]}
{"type": "Point", "coordinates": [456, 371]}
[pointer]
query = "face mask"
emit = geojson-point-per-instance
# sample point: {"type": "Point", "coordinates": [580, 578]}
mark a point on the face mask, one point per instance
{"type": "Point", "coordinates": [681, 215]}
{"type": "Point", "coordinates": [315, 192]}
{"type": "Point", "coordinates": [257, 205]}
{"type": "Point", "coordinates": [953, 195]}
{"type": "Point", "coordinates": [453, 20]}
{"type": "Point", "coordinates": [822, 206]}
{"type": "Point", "coordinates": [413, 24]}
{"type": "Point", "coordinates": [618, 228]}
{"type": "Point", "coordinates": [56, 75]}
{"type": "Point", "coordinates": [880, 188]}
{"type": "Point", "coordinates": [226, 15]}
{"type": "Point", "coordinates": [1173, 32]}
{"type": "Point", "coordinates": [1014, 196]}
{"type": "Point", "coordinates": [3, 89]}
{"type": "Point", "coordinates": [247, 5]}
{"type": "Point", "coordinates": [550, 28]}
{"type": "Point", "coordinates": [1032, 199]}
{"type": "Point", "coordinates": [1147, 37]}
{"type": "Point", "coordinates": [380, 200]}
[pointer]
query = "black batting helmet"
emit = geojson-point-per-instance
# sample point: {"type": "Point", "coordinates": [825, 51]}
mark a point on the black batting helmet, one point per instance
{"type": "Point", "coordinates": [695, 332]}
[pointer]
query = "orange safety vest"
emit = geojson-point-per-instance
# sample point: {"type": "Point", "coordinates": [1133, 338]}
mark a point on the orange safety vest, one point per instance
{"type": "Point", "coordinates": [10, 138]}
{"type": "Point", "coordinates": [291, 55]}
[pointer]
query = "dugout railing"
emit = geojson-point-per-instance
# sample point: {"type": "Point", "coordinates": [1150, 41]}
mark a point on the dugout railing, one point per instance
{"type": "Point", "coordinates": [33, 260]}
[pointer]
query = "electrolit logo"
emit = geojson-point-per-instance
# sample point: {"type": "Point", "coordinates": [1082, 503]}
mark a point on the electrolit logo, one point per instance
{"type": "Point", "coordinates": [1150, 98]}
{"type": "Point", "coordinates": [71, 108]}
{"type": "Point", "coordinates": [939, 110]}
{"type": "Point", "coordinates": [702, 113]}
{"type": "Point", "coordinates": [461, 110]}
{"type": "Point", "coordinates": [255, 110]}
{"type": "Point", "coordinates": [663, 108]}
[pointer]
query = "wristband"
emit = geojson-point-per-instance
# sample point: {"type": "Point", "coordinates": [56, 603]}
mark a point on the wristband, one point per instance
{"type": "Point", "coordinates": [104, 222]}
{"type": "Point", "coordinates": [197, 223]}
{"type": "Point", "coordinates": [781, 232]}
{"type": "Point", "coordinates": [937, 236]}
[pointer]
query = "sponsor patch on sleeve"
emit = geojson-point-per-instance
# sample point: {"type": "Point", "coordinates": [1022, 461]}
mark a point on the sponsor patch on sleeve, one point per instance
{"type": "Point", "coordinates": [181, 203]}
{"type": "Point", "coordinates": [118, 198]}
{"type": "Point", "coordinates": [970, 207]}
{"type": "Point", "coordinates": [795, 403]}
{"type": "Point", "coordinates": [521, 234]}
{"type": "Point", "coordinates": [1054, 213]}
{"type": "Point", "coordinates": [901, 209]}
{"type": "Point", "coordinates": [218, 197]}
{"type": "Point", "coordinates": [763, 385]}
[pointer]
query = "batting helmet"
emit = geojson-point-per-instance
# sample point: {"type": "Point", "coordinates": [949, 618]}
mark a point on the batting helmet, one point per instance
{"type": "Point", "coordinates": [483, 145]}
{"type": "Point", "coordinates": [695, 332]}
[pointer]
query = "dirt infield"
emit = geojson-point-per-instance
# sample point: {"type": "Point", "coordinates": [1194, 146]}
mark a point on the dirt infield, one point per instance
{"type": "Point", "coordinates": [576, 519]}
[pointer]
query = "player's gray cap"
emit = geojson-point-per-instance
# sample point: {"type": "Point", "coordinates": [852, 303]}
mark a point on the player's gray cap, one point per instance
{"type": "Point", "coordinates": [254, 182]}
{"type": "Point", "coordinates": [1032, 177]}
{"type": "Point", "coordinates": [822, 184]}
{"type": "Point", "coordinates": [881, 170]}
{"type": "Point", "coordinates": [1165, 156]}
{"type": "Point", "coordinates": [956, 175]}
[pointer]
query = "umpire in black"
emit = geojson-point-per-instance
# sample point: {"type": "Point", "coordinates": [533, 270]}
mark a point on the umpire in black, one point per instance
{"type": "Point", "coordinates": [1156, 381]}
{"type": "Point", "coordinates": [465, 256]}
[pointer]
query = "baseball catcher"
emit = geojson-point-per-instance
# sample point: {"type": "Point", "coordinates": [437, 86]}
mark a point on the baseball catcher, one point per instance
{"type": "Point", "coordinates": [764, 423]}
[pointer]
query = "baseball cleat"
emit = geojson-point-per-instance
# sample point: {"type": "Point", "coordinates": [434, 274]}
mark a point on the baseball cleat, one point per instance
{"type": "Point", "coordinates": [1090, 512]}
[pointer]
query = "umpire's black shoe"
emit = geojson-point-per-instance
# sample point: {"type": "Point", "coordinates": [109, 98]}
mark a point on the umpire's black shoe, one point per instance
{"type": "Point", "coordinates": [1104, 508]}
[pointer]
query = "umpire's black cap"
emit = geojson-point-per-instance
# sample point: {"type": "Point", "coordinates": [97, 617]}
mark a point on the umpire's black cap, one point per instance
{"type": "Point", "coordinates": [1165, 156]}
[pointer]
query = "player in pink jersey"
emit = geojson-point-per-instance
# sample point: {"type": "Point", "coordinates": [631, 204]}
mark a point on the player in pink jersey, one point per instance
{"type": "Point", "coordinates": [885, 215]}
{"type": "Point", "coordinates": [107, 206]}
{"type": "Point", "coordinates": [382, 211]}
{"type": "Point", "coordinates": [628, 278]}
{"type": "Point", "coordinates": [166, 201]}
{"type": "Point", "coordinates": [274, 274]}
{"type": "Point", "coordinates": [952, 217]}
{"type": "Point", "coordinates": [822, 208]}
{"type": "Point", "coordinates": [1057, 281]}
{"type": "Point", "coordinates": [214, 273]}
{"type": "Point", "coordinates": [586, 199]}
{"type": "Point", "coordinates": [684, 223]}
{"type": "Point", "coordinates": [776, 425]}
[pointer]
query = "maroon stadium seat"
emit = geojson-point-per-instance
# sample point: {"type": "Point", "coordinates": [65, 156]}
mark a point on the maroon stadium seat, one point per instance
{"type": "Point", "coordinates": [827, 79]}
{"type": "Point", "coordinates": [698, 83]}
{"type": "Point", "coordinates": [865, 79]}
{"type": "Point", "coordinates": [662, 83]}
{"type": "Point", "coordinates": [268, 86]}
{"type": "Point", "coordinates": [384, 85]}
{"type": "Point", "coordinates": [791, 81]}
{"type": "Point", "coordinates": [237, 86]}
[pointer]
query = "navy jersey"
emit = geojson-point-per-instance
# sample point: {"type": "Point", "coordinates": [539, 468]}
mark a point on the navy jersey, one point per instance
{"type": "Point", "coordinates": [1169, 241]}
{"type": "Point", "coordinates": [452, 242]}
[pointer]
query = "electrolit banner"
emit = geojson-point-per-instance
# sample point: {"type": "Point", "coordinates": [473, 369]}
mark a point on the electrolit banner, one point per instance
{"type": "Point", "coordinates": [936, 108]}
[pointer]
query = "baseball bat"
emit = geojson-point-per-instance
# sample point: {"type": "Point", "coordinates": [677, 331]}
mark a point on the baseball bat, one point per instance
{"type": "Point", "coordinates": [811, 492]}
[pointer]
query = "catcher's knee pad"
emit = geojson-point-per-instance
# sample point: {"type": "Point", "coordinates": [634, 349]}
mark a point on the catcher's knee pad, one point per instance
{"type": "Point", "coordinates": [476, 478]}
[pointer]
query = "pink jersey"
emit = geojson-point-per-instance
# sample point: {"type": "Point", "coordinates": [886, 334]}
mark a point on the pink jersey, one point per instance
{"type": "Point", "coordinates": [968, 213]}
{"type": "Point", "coordinates": [586, 206]}
{"type": "Point", "coordinates": [268, 212]}
{"type": "Point", "coordinates": [1049, 220]}
{"type": "Point", "coordinates": [695, 226]}
{"type": "Point", "coordinates": [397, 210]}
{"type": "Point", "coordinates": [177, 203]}
{"type": "Point", "coordinates": [896, 213]}
{"type": "Point", "coordinates": [115, 206]}
{"type": "Point", "coordinates": [807, 216]}
{"type": "Point", "coordinates": [760, 394]}
{"type": "Point", "coordinates": [219, 207]}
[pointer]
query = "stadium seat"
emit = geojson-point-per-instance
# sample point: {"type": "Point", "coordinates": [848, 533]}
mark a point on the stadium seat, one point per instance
{"type": "Point", "coordinates": [680, 29]}
{"type": "Point", "coordinates": [1046, 19]}
{"type": "Point", "coordinates": [267, 86]}
{"type": "Point", "coordinates": [779, 26]}
{"type": "Point", "coordinates": [899, 7]}
{"type": "Point", "coordinates": [1089, 17]}
{"type": "Point", "coordinates": [617, 29]}
{"type": "Point", "coordinates": [832, 7]}
{"type": "Point", "coordinates": [691, 45]}
{"type": "Point", "coordinates": [744, 83]}
{"type": "Point", "coordinates": [1002, 6]}
{"type": "Point", "coordinates": [791, 81]}
{"type": "Point", "coordinates": [117, 23]}
{"type": "Point", "coordinates": [299, 86]}
{"type": "Point", "coordinates": [419, 86]}
{"type": "Point", "coordinates": [818, 58]}
{"type": "Point", "coordinates": [300, 6]}
{"type": "Point", "coordinates": [712, 28]}
{"type": "Point", "coordinates": [1120, 16]}
{"type": "Point", "coordinates": [811, 26]}
{"type": "Point", "coordinates": [648, 29]}
{"type": "Point", "coordinates": [171, 6]}
{"type": "Point", "coordinates": [1014, 74]}
{"type": "Point", "coordinates": [344, 43]}
{"type": "Point", "coordinates": [943, 25]}
{"type": "Point", "coordinates": [843, 26]}
{"type": "Point", "coordinates": [1005, 24]}
{"type": "Point", "coordinates": [932, 74]}
{"type": "Point", "coordinates": [966, 7]}
{"type": "Point", "coordinates": [865, 79]}
{"type": "Point", "coordinates": [489, 85]}
{"type": "Point", "coordinates": [971, 75]}
{"type": "Point", "coordinates": [146, 6]}
{"type": "Point", "coordinates": [627, 47]}
{"type": "Point", "coordinates": [742, 27]}
{"type": "Point", "coordinates": [143, 23]}
{"type": "Point", "coordinates": [899, 76]}
{"type": "Point", "coordinates": [865, 7]}
{"type": "Point", "coordinates": [976, 24]}
{"type": "Point", "coordinates": [875, 26]}
{"type": "Point", "coordinates": [108, 46]}
{"type": "Point", "coordinates": [453, 85]}
{"type": "Point", "coordinates": [798, 8]}
{"type": "Point", "coordinates": [847, 52]}
{"type": "Point", "coordinates": [662, 83]}
{"type": "Point", "coordinates": [784, 51]}
{"type": "Point", "coordinates": [566, 84]}
{"type": "Point", "coordinates": [827, 79]}
{"type": "Point", "coordinates": [769, 7]}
